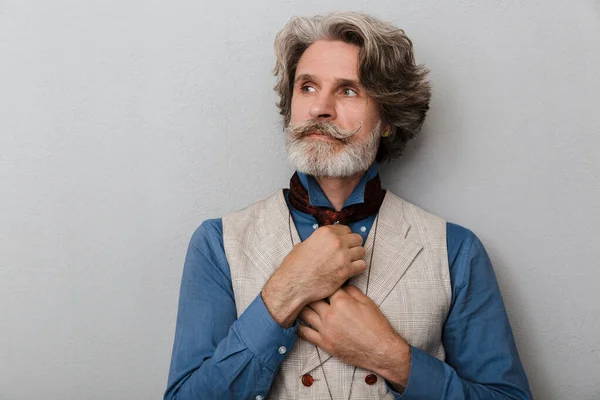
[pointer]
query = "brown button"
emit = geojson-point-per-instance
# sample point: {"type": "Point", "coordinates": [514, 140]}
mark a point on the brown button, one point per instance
{"type": "Point", "coordinates": [371, 379]}
{"type": "Point", "coordinates": [307, 380]}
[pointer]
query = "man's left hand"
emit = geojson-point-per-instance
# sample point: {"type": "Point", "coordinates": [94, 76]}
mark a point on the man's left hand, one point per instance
{"type": "Point", "coordinates": [352, 328]}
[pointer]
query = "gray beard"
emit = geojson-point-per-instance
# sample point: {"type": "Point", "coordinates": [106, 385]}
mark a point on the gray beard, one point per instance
{"type": "Point", "coordinates": [334, 160]}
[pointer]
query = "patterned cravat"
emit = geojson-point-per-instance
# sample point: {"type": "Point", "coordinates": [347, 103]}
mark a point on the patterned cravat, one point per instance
{"type": "Point", "coordinates": [374, 195]}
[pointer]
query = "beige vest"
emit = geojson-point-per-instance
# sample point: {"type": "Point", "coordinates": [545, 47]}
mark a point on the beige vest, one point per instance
{"type": "Point", "coordinates": [409, 281]}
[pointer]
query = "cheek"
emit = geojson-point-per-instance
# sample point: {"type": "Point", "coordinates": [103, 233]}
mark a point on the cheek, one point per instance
{"type": "Point", "coordinates": [371, 112]}
{"type": "Point", "coordinates": [297, 109]}
{"type": "Point", "coordinates": [294, 111]}
{"type": "Point", "coordinates": [370, 119]}
{"type": "Point", "coordinates": [355, 110]}
{"type": "Point", "coordinates": [350, 117]}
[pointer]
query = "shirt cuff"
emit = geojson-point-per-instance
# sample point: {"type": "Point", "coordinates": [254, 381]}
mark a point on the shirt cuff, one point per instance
{"type": "Point", "coordinates": [263, 336]}
{"type": "Point", "coordinates": [427, 378]}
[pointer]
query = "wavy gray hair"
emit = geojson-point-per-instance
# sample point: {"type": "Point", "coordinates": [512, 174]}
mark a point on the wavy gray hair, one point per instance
{"type": "Point", "coordinates": [386, 70]}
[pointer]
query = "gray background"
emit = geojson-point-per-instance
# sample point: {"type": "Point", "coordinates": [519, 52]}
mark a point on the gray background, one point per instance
{"type": "Point", "coordinates": [124, 124]}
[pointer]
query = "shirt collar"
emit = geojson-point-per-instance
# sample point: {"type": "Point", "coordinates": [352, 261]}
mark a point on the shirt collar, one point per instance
{"type": "Point", "coordinates": [317, 197]}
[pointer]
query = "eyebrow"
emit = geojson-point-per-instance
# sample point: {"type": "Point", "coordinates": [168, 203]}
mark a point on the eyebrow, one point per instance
{"type": "Point", "coordinates": [338, 81]}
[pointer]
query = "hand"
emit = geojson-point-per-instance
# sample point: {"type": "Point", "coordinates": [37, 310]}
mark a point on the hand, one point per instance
{"type": "Point", "coordinates": [352, 328]}
{"type": "Point", "coordinates": [313, 270]}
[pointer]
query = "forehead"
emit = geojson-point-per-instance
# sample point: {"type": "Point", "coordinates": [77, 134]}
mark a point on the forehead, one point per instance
{"type": "Point", "coordinates": [327, 59]}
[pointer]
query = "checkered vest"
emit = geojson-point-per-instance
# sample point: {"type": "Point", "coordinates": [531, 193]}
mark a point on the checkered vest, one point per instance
{"type": "Point", "coordinates": [409, 281]}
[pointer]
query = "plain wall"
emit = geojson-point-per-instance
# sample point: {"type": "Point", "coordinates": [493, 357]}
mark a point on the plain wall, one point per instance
{"type": "Point", "coordinates": [124, 124]}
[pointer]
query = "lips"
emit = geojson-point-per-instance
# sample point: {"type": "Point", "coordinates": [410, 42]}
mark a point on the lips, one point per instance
{"type": "Point", "coordinates": [312, 133]}
{"type": "Point", "coordinates": [321, 137]}
{"type": "Point", "coordinates": [315, 133]}
{"type": "Point", "coordinates": [318, 133]}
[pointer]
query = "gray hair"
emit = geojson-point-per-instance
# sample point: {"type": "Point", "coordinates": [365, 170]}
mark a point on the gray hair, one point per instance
{"type": "Point", "coordinates": [386, 70]}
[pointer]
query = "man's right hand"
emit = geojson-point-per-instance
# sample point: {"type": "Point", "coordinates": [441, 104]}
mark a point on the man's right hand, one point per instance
{"type": "Point", "coordinates": [313, 270]}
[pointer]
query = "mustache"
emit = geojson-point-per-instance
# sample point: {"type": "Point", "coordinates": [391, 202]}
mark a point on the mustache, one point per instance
{"type": "Point", "coordinates": [327, 128]}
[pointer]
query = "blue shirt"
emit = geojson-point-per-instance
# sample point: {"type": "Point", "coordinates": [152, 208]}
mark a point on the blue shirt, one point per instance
{"type": "Point", "coordinates": [219, 356]}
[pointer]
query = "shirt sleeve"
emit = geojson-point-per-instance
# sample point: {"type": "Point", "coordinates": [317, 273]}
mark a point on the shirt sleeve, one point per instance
{"type": "Point", "coordinates": [215, 354]}
{"type": "Point", "coordinates": [482, 361]}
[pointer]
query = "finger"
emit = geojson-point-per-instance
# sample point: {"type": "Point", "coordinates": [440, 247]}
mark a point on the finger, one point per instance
{"type": "Point", "coordinates": [352, 240]}
{"type": "Point", "coordinates": [357, 267]}
{"type": "Point", "coordinates": [310, 335]}
{"type": "Point", "coordinates": [356, 294]}
{"type": "Point", "coordinates": [340, 230]}
{"type": "Point", "coordinates": [357, 253]}
{"type": "Point", "coordinates": [320, 307]}
{"type": "Point", "coordinates": [311, 317]}
{"type": "Point", "coordinates": [340, 293]}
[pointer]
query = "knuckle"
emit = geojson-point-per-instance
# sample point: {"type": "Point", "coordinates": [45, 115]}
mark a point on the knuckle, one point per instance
{"type": "Point", "coordinates": [340, 275]}
{"type": "Point", "coordinates": [342, 259]}
{"type": "Point", "coordinates": [318, 233]}
{"type": "Point", "coordinates": [342, 301]}
{"type": "Point", "coordinates": [328, 317]}
{"type": "Point", "coordinates": [337, 243]}
{"type": "Point", "coordinates": [346, 258]}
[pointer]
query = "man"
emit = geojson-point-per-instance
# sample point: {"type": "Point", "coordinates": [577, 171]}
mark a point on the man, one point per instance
{"type": "Point", "coordinates": [335, 288]}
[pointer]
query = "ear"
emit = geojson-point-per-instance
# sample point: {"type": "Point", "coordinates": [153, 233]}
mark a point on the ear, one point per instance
{"type": "Point", "coordinates": [386, 130]}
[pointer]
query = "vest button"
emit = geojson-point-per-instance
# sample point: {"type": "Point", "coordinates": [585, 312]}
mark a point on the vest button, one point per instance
{"type": "Point", "coordinates": [307, 380]}
{"type": "Point", "coordinates": [371, 379]}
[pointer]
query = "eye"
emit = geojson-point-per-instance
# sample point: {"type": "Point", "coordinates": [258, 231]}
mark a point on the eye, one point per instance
{"type": "Point", "coordinates": [307, 89]}
{"type": "Point", "coordinates": [349, 92]}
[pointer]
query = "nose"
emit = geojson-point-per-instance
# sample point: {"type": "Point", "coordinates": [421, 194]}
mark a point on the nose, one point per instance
{"type": "Point", "coordinates": [323, 107]}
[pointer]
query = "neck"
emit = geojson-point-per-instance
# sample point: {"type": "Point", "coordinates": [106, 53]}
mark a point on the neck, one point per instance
{"type": "Point", "coordinates": [338, 190]}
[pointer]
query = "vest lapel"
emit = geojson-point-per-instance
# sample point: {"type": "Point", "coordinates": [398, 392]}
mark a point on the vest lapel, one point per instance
{"type": "Point", "coordinates": [394, 253]}
{"type": "Point", "coordinates": [267, 249]}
